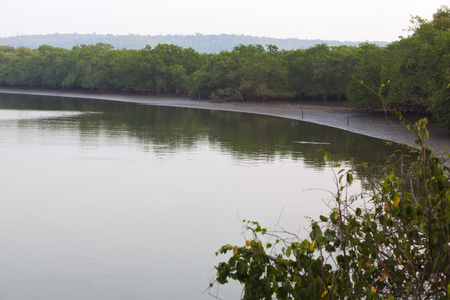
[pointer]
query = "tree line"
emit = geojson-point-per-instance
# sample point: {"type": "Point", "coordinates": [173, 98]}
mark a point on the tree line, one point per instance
{"type": "Point", "coordinates": [201, 43]}
{"type": "Point", "coordinates": [411, 74]}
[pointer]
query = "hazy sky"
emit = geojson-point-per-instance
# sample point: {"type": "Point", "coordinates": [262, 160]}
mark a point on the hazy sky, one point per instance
{"type": "Point", "coordinates": [345, 20]}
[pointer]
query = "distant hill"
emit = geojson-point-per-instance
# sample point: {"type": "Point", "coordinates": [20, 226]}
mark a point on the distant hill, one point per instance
{"type": "Point", "coordinates": [199, 42]}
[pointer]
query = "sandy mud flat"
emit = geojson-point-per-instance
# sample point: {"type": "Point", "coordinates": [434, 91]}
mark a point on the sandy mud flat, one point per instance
{"type": "Point", "coordinates": [374, 125]}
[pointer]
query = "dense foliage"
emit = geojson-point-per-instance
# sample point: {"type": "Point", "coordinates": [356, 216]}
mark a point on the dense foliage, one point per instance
{"type": "Point", "coordinates": [394, 244]}
{"type": "Point", "coordinates": [414, 70]}
{"type": "Point", "coordinates": [163, 69]}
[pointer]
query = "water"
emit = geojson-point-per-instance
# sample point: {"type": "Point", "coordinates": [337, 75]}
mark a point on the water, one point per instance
{"type": "Point", "coordinates": [107, 200]}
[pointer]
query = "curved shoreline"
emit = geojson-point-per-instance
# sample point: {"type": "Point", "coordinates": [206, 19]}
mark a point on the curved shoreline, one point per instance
{"type": "Point", "coordinates": [338, 117]}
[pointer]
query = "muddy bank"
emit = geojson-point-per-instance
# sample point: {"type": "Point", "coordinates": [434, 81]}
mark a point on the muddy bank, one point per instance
{"type": "Point", "coordinates": [339, 117]}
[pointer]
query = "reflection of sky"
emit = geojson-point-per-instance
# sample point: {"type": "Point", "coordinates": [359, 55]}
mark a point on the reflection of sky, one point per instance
{"type": "Point", "coordinates": [106, 216]}
{"type": "Point", "coordinates": [35, 114]}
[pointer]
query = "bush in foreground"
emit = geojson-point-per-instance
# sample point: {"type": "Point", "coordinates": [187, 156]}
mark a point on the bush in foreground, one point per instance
{"type": "Point", "coordinates": [394, 244]}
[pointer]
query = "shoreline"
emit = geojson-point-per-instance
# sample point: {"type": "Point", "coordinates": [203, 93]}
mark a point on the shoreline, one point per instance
{"type": "Point", "coordinates": [373, 125]}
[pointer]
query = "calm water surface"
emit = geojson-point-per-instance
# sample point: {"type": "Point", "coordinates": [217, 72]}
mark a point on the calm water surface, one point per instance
{"type": "Point", "coordinates": [107, 200]}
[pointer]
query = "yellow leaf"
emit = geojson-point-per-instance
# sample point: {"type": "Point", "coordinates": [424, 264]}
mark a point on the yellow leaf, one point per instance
{"type": "Point", "coordinates": [368, 262]}
{"type": "Point", "coordinates": [384, 275]}
{"type": "Point", "coordinates": [324, 293]}
{"type": "Point", "coordinates": [329, 287]}
{"type": "Point", "coordinates": [396, 200]}
{"type": "Point", "coordinates": [373, 289]}
{"type": "Point", "coordinates": [311, 246]}
{"type": "Point", "coordinates": [235, 250]}
{"type": "Point", "coordinates": [400, 260]}
{"type": "Point", "coordinates": [247, 243]}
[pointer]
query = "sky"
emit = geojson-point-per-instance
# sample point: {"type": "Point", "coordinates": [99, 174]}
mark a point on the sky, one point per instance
{"type": "Point", "coordinates": [343, 20]}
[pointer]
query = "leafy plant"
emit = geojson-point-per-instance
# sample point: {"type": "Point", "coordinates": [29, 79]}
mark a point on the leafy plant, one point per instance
{"type": "Point", "coordinates": [392, 244]}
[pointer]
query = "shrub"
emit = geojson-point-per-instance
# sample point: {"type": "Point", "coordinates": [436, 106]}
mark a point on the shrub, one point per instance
{"type": "Point", "coordinates": [393, 244]}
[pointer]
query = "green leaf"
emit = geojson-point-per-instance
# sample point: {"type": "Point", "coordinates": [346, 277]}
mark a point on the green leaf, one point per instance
{"type": "Point", "coordinates": [349, 178]}
{"type": "Point", "coordinates": [288, 251]}
{"type": "Point", "coordinates": [304, 244]}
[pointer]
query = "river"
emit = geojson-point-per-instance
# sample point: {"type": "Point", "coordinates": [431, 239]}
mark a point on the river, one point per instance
{"type": "Point", "coordinates": [111, 200]}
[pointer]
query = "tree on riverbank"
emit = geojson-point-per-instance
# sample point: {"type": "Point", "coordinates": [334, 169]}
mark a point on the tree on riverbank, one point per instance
{"type": "Point", "coordinates": [247, 72]}
{"type": "Point", "coordinates": [420, 67]}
